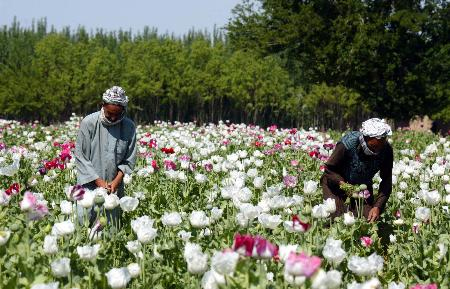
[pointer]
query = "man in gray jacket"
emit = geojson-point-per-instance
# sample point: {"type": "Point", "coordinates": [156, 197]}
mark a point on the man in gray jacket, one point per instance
{"type": "Point", "coordinates": [105, 149]}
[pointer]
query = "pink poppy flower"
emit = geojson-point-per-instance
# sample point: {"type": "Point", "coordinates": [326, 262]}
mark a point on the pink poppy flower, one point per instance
{"type": "Point", "coordinates": [28, 202]}
{"type": "Point", "coordinates": [264, 249]}
{"type": "Point", "coordinates": [416, 228]}
{"type": "Point", "coordinates": [170, 165]}
{"type": "Point", "coordinates": [13, 189]}
{"type": "Point", "coordinates": [302, 264]}
{"type": "Point", "coordinates": [290, 181]}
{"type": "Point", "coordinates": [208, 167]}
{"type": "Point", "coordinates": [65, 155]}
{"type": "Point", "coordinates": [155, 165]}
{"type": "Point", "coordinates": [273, 128]}
{"type": "Point", "coordinates": [424, 286]}
{"type": "Point", "coordinates": [364, 194]}
{"type": "Point", "coordinates": [243, 244]}
{"type": "Point", "coordinates": [296, 221]}
{"type": "Point", "coordinates": [38, 212]}
{"type": "Point", "coordinates": [366, 241]}
{"type": "Point", "coordinates": [77, 193]}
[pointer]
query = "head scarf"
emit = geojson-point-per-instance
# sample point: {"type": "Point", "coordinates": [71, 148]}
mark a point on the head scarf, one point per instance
{"type": "Point", "coordinates": [375, 127]}
{"type": "Point", "coordinates": [115, 95]}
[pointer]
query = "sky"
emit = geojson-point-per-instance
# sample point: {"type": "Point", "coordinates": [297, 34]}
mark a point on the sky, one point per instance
{"type": "Point", "coordinates": [172, 16]}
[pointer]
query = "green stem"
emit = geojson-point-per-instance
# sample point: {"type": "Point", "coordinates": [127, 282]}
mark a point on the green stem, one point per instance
{"type": "Point", "coordinates": [143, 265]}
{"type": "Point", "coordinates": [90, 284]}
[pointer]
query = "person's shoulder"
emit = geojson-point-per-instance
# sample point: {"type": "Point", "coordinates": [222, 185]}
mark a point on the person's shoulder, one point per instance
{"type": "Point", "coordinates": [388, 149]}
{"type": "Point", "coordinates": [352, 134]}
{"type": "Point", "coordinates": [129, 123]}
{"type": "Point", "coordinates": [90, 119]}
{"type": "Point", "coordinates": [350, 139]}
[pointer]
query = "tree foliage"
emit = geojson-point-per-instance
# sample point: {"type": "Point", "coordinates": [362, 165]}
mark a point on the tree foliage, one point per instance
{"type": "Point", "coordinates": [297, 63]}
{"type": "Point", "coordinates": [393, 53]}
{"type": "Point", "coordinates": [48, 75]}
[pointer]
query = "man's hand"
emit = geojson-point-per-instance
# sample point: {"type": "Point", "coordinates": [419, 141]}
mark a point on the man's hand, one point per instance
{"type": "Point", "coordinates": [113, 186]}
{"type": "Point", "coordinates": [374, 214]}
{"type": "Point", "coordinates": [100, 183]}
{"type": "Point", "coordinates": [116, 182]}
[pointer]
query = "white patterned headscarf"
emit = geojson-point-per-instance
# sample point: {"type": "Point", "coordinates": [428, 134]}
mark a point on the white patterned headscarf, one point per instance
{"type": "Point", "coordinates": [375, 127]}
{"type": "Point", "coordinates": [115, 95]}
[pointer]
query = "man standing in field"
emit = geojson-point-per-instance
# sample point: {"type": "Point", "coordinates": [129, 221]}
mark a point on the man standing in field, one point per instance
{"type": "Point", "coordinates": [105, 149]}
{"type": "Point", "coordinates": [357, 157]}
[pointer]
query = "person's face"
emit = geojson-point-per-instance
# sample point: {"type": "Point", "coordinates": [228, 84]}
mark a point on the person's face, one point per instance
{"type": "Point", "coordinates": [113, 112]}
{"type": "Point", "coordinates": [375, 144]}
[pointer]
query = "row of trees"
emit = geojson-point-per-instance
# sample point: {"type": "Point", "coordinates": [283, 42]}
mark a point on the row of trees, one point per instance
{"type": "Point", "coordinates": [48, 75]}
{"type": "Point", "coordinates": [295, 63]}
